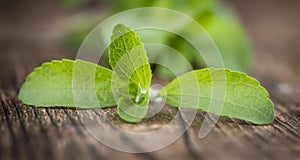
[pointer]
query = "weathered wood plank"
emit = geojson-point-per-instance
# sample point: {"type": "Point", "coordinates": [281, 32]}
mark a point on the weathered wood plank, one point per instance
{"type": "Point", "coordinates": [58, 133]}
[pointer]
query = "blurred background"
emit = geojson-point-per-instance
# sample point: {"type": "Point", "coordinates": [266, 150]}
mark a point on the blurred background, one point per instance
{"type": "Point", "coordinates": [258, 37]}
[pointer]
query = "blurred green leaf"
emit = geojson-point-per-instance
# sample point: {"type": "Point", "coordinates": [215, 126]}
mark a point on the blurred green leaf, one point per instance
{"type": "Point", "coordinates": [217, 19]}
{"type": "Point", "coordinates": [72, 3]}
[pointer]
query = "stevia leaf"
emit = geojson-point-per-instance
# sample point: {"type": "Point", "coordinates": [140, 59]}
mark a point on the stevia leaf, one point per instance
{"type": "Point", "coordinates": [52, 85]}
{"type": "Point", "coordinates": [241, 96]}
{"type": "Point", "coordinates": [122, 41]}
{"type": "Point", "coordinates": [131, 111]}
{"type": "Point", "coordinates": [131, 73]}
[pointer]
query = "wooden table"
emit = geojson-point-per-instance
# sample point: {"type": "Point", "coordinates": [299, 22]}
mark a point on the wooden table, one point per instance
{"type": "Point", "coordinates": [31, 37]}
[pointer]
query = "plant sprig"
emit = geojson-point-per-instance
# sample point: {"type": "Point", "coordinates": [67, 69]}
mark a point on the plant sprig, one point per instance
{"type": "Point", "coordinates": [127, 85]}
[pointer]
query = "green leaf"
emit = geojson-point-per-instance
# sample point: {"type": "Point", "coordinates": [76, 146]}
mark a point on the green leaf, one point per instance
{"type": "Point", "coordinates": [131, 111]}
{"type": "Point", "coordinates": [87, 85]}
{"type": "Point", "coordinates": [233, 44]}
{"type": "Point", "coordinates": [52, 84]}
{"type": "Point", "coordinates": [122, 41]}
{"type": "Point", "coordinates": [241, 96]}
{"type": "Point", "coordinates": [131, 73]}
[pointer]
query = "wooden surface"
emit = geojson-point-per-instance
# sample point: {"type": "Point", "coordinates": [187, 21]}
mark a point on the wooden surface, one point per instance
{"type": "Point", "coordinates": [29, 37]}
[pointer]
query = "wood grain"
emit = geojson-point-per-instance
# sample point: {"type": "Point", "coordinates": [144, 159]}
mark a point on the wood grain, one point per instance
{"type": "Point", "coordinates": [58, 133]}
